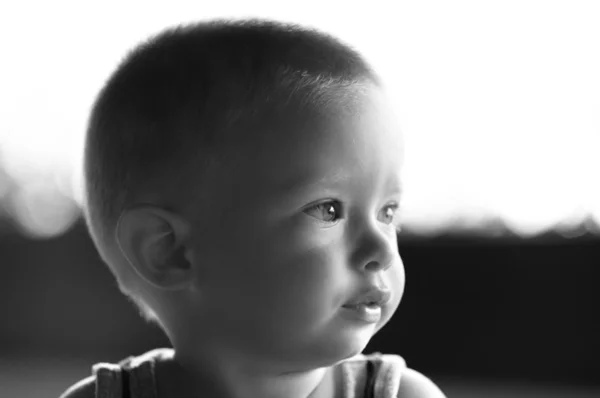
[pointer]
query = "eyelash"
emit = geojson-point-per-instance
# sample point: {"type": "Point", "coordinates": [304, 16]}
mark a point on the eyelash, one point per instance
{"type": "Point", "coordinates": [329, 203]}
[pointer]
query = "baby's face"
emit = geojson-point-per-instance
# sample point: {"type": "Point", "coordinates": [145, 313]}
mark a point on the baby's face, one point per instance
{"type": "Point", "coordinates": [304, 225]}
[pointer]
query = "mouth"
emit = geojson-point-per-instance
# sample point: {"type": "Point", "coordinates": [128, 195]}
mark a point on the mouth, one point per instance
{"type": "Point", "coordinates": [371, 298]}
{"type": "Point", "coordinates": [364, 313]}
{"type": "Point", "coordinates": [368, 306]}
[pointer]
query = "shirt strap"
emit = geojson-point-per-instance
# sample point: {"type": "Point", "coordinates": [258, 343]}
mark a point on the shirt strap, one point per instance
{"type": "Point", "coordinates": [142, 377]}
{"type": "Point", "coordinates": [109, 380]}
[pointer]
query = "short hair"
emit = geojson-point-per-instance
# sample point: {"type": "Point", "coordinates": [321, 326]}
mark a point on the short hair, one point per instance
{"type": "Point", "coordinates": [176, 99]}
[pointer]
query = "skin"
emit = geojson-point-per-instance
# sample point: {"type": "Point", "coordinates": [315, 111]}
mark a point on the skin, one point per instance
{"type": "Point", "coordinates": [251, 296]}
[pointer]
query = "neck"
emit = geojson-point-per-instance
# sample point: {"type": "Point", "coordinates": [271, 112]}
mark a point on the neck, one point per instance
{"type": "Point", "coordinates": [248, 379]}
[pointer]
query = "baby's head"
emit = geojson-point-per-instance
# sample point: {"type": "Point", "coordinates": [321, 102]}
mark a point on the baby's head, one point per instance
{"type": "Point", "coordinates": [242, 182]}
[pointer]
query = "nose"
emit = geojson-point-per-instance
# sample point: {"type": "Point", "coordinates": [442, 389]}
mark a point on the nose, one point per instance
{"type": "Point", "coordinates": [377, 250]}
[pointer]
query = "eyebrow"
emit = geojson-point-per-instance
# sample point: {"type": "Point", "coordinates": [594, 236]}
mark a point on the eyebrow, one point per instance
{"type": "Point", "coordinates": [331, 180]}
{"type": "Point", "coordinates": [306, 183]}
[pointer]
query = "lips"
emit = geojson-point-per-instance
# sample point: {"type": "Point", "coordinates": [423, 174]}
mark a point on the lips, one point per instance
{"type": "Point", "coordinates": [372, 296]}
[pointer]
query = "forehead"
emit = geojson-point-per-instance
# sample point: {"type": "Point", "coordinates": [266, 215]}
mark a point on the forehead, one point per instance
{"type": "Point", "coordinates": [360, 143]}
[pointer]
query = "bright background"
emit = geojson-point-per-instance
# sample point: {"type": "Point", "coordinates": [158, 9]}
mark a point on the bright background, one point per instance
{"type": "Point", "coordinates": [499, 101]}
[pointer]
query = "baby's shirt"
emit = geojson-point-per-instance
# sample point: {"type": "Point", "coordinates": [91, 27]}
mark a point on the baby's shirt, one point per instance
{"type": "Point", "coordinates": [364, 376]}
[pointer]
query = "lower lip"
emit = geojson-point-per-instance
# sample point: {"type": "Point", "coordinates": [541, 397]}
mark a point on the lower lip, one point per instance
{"type": "Point", "coordinates": [363, 312]}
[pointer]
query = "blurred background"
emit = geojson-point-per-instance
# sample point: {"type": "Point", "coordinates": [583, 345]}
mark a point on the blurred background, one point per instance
{"type": "Point", "coordinates": [500, 106]}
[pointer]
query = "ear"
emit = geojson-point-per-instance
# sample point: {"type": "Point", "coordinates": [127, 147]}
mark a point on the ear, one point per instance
{"type": "Point", "coordinates": [153, 241]}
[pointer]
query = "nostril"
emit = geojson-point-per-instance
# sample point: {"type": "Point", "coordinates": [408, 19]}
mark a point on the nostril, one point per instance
{"type": "Point", "coordinates": [378, 266]}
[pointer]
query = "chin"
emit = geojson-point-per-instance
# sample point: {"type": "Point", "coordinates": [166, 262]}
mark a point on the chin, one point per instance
{"type": "Point", "coordinates": [353, 342]}
{"type": "Point", "coordinates": [336, 348]}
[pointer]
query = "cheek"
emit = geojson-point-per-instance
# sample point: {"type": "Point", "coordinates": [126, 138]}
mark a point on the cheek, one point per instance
{"type": "Point", "coordinates": [291, 272]}
{"type": "Point", "coordinates": [399, 275]}
{"type": "Point", "coordinates": [397, 281]}
{"type": "Point", "coordinates": [306, 280]}
{"type": "Point", "coordinates": [299, 283]}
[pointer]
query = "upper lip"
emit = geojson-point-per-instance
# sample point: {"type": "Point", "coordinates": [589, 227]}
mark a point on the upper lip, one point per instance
{"type": "Point", "coordinates": [372, 295]}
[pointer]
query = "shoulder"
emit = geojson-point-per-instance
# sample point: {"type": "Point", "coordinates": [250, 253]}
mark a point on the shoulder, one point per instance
{"type": "Point", "coordinates": [85, 388]}
{"type": "Point", "coordinates": [415, 385]}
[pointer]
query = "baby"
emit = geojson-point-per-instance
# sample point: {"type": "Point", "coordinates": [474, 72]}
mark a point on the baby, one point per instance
{"type": "Point", "coordinates": [242, 182]}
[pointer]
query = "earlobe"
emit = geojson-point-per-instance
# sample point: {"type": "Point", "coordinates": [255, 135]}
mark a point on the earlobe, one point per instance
{"type": "Point", "coordinates": [153, 241]}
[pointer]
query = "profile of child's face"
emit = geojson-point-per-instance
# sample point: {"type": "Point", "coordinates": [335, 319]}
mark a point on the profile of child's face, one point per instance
{"type": "Point", "coordinates": [301, 227]}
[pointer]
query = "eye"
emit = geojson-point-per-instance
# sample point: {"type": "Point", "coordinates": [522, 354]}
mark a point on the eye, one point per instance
{"type": "Point", "coordinates": [391, 215]}
{"type": "Point", "coordinates": [328, 212]}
